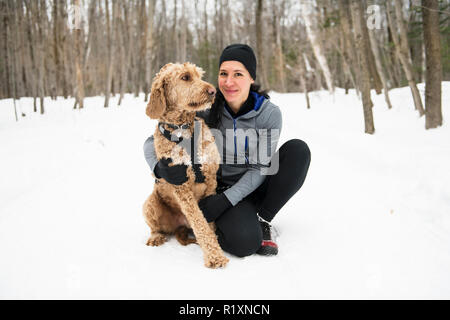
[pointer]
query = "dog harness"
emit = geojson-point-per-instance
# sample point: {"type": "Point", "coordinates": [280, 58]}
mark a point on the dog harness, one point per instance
{"type": "Point", "coordinates": [177, 138]}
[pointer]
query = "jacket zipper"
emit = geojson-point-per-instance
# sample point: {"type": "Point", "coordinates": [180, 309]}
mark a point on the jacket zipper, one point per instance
{"type": "Point", "coordinates": [235, 144]}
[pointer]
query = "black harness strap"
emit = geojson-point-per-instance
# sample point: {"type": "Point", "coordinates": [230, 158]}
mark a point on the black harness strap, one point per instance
{"type": "Point", "coordinates": [199, 177]}
{"type": "Point", "coordinates": [196, 166]}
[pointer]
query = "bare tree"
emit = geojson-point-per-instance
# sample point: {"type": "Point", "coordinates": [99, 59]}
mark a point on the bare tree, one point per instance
{"type": "Point", "coordinates": [260, 43]}
{"type": "Point", "coordinates": [402, 49]}
{"type": "Point", "coordinates": [10, 58]}
{"type": "Point", "coordinates": [125, 55]}
{"type": "Point", "coordinates": [379, 65]}
{"type": "Point", "coordinates": [150, 47]}
{"type": "Point", "coordinates": [348, 51]}
{"type": "Point", "coordinates": [183, 33]}
{"type": "Point", "coordinates": [279, 59]}
{"type": "Point", "coordinates": [313, 35]}
{"type": "Point", "coordinates": [363, 62]}
{"type": "Point", "coordinates": [79, 88]}
{"type": "Point", "coordinates": [431, 37]}
{"type": "Point", "coordinates": [303, 78]}
{"type": "Point", "coordinates": [175, 35]}
{"type": "Point", "coordinates": [110, 53]}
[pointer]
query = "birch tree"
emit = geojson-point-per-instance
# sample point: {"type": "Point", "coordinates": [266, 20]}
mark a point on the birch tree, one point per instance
{"type": "Point", "coordinates": [314, 38]}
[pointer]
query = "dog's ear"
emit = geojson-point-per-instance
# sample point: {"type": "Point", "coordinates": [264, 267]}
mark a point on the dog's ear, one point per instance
{"type": "Point", "coordinates": [157, 104]}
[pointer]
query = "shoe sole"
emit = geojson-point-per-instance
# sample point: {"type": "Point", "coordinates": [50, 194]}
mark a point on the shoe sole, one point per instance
{"type": "Point", "coordinates": [267, 250]}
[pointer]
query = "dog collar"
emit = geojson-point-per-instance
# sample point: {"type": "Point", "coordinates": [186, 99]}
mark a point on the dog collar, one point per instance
{"type": "Point", "coordinates": [175, 135]}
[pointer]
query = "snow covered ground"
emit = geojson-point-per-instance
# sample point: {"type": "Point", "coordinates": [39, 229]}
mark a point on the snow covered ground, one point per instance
{"type": "Point", "coordinates": [371, 221]}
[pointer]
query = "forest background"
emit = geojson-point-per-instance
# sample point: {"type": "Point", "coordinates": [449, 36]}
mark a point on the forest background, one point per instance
{"type": "Point", "coordinates": [83, 48]}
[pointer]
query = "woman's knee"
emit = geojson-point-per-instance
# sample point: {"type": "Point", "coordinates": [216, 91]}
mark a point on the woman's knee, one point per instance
{"type": "Point", "coordinates": [295, 153]}
{"type": "Point", "coordinates": [297, 148]}
{"type": "Point", "coordinates": [240, 243]}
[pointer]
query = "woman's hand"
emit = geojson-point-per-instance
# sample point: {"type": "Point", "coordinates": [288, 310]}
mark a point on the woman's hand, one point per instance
{"type": "Point", "coordinates": [174, 175]}
{"type": "Point", "coordinates": [213, 206]}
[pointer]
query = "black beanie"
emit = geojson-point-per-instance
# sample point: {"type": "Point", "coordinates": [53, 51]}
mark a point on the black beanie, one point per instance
{"type": "Point", "coordinates": [242, 53]}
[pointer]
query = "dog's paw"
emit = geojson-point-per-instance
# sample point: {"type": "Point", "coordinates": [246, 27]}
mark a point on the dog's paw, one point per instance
{"type": "Point", "coordinates": [156, 240]}
{"type": "Point", "coordinates": [217, 261]}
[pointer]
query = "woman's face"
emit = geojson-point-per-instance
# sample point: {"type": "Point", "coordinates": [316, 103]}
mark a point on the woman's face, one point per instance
{"type": "Point", "coordinates": [234, 83]}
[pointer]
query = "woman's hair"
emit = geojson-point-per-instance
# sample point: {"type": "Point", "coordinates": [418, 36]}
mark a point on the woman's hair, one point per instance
{"type": "Point", "coordinates": [215, 115]}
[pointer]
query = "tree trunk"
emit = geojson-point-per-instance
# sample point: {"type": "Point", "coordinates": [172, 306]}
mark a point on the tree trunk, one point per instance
{"type": "Point", "coordinates": [79, 88]}
{"type": "Point", "coordinates": [260, 43]}
{"type": "Point", "coordinates": [109, 36]}
{"type": "Point", "coordinates": [375, 77]}
{"type": "Point", "coordinates": [126, 38]}
{"type": "Point", "coordinates": [143, 34]}
{"type": "Point", "coordinates": [312, 32]}
{"type": "Point", "coordinates": [63, 42]}
{"type": "Point", "coordinates": [379, 65]}
{"type": "Point", "coordinates": [396, 69]}
{"type": "Point", "coordinates": [402, 49]}
{"type": "Point", "coordinates": [56, 37]}
{"type": "Point", "coordinates": [303, 77]}
{"type": "Point", "coordinates": [279, 60]}
{"type": "Point", "coordinates": [39, 45]}
{"type": "Point", "coordinates": [431, 35]}
{"type": "Point", "coordinates": [208, 43]}
{"type": "Point", "coordinates": [175, 38]}
{"type": "Point", "coordinates": [363, 62]}
{"type": "Point", "coordinates": [150, 47]}
{"type": "Point", "coordinates": [10, 58]}
{"type": "Point", "coordinates": [183, 33]}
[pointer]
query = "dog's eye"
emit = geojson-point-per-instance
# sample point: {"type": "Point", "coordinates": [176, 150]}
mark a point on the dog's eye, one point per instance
{"type": "Point", "coordinates": [185, 77]}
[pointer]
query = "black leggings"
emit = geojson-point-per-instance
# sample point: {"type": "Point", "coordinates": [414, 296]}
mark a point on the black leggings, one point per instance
{"type": "Point", "coordinates": [238, 229]}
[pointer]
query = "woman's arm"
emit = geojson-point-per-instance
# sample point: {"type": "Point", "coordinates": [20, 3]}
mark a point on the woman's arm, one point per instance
{"type": "Point", "coordinates": [150, 153]}
{"type": "Point", "coordinates": [248, 183]}
{"type": "Point", "coordinates": [173, 174]}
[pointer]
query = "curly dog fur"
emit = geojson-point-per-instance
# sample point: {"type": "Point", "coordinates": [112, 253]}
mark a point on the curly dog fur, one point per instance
{"type": "Point", "coordinates": [177, 94]}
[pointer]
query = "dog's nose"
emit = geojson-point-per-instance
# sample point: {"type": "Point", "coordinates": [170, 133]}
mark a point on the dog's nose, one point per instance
{"type": "Point", "coordinates": [211, 91]}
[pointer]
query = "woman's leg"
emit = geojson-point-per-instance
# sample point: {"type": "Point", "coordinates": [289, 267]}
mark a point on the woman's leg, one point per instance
{"type": "Point", "coordinates": [238, 229]}
{"type": "Point", "coordinates": [276, 190]}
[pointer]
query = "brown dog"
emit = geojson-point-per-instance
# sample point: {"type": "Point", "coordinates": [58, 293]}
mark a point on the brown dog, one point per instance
{"type": "Point", "coordinates": [177, 94]}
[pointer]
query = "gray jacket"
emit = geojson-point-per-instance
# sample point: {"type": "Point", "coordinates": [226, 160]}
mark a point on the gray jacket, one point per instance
{"type": "Point", "coordinates": [248, 143]}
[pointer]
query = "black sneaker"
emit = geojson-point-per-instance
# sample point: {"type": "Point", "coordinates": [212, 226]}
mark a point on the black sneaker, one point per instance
{"type": "Point", "coordinates": [268, 245]}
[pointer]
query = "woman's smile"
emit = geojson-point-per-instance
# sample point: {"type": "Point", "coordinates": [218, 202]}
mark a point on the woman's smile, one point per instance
{"type": "Point", "coordinates": [230, 91]}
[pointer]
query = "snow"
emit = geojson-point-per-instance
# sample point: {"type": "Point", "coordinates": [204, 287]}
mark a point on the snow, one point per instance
{"type": "Point", "coordinates": [372, 220]}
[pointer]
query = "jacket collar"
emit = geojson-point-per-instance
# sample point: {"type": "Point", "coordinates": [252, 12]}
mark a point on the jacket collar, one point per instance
{"type": "Point", "coordinates": [250, 108]}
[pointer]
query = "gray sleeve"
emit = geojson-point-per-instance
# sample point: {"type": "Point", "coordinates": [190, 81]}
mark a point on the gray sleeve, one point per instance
{"type": "Point", "coordinates": [256, 174]}
{"type": "Point", "coordinates": [248, 183]}
{"type": "Point", "coordinates": [150, 153]}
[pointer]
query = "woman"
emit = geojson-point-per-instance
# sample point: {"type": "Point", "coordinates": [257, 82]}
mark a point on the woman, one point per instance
{"type": "Point", "coordinates": [248, 195]}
